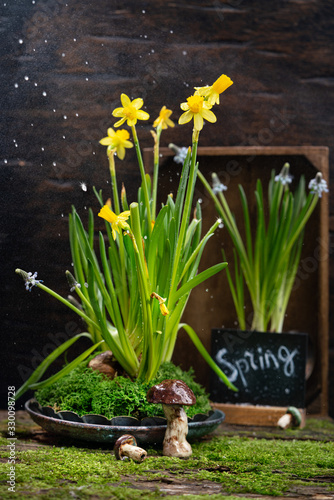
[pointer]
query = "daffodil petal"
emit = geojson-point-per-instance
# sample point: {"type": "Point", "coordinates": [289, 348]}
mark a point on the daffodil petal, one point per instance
{"type": "Point", "coordinates": [111, 132]}
{"type": "Point", "coordinates": [203, 91]}
{"type": "Point", "coordinates": [207, 105]}
{"type": "Point", "coordinates": [106, 141]}
{"type": "Point", "coordinates": [137, 103]}
{"type": "Point", "coordinates": [120, 122]}
{"type": "Point", "coordinates": [185, 117]}
{"type": "Point", "coordinates": [213, 99]}
{"type": "Point", "coordinates": [184, 106]}
{"type": "Point", "coordinates": [118, 112]}
{"type": "Point", "coordinates": [198, 121]}
{"type": "Point", "coordinates": [123, 225]}
{"type": "Point", "coordinates": [209, 115]}
{"type": "Point", "coordinates": [131, 121]}
{"type": "Point", "coordinates": [121, 152]}
{"type": "Point", "coordinates": [142, 115]}
{"type": "Point", "coordinates": [125, 100]}
{"type": "Point", "coordinates": [169, 122]}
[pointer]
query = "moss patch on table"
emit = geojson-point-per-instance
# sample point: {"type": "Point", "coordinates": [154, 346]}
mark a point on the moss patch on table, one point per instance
{"type": "Point", "coordinates": [228, 462]}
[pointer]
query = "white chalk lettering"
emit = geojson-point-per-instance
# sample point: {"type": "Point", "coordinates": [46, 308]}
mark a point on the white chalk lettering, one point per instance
{"type": "Point", "coordinates": [268, 355]}
{"type": "Point", "coordinates": [250, 355]}
{"type": "Point", "coordinates": [259, 350]}
{"type": "Point", "coordinates": [242, 367]}
{"type": "Point", "coordinates": [287, 357]}
{"type": "Point", "coordinates": [256, 359]}
{"type": "Point", "coordinates": [226, 365]}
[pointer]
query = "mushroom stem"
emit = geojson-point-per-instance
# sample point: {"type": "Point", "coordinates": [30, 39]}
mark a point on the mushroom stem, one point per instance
{"type": "Point", "coordinates": [292, 418]}
{"type": "Point", "coordinates": [285, 421]}
{"type": "Point", "coordinates": [133, 452]}
{"type": "Point", "coordinates": [175, 443]}
{"type": "Point", "coordinates": [126, 446]}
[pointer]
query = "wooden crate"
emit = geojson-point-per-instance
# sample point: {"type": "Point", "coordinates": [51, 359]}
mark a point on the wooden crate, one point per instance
{"type": "Point", "coordinates": [264, 416]}
{"type": "Point", "coordinates": [210, 305]}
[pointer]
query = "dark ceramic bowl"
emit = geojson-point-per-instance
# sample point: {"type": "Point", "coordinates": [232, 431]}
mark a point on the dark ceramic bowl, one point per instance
{"type": "Point", "coordinates": [99, 429]}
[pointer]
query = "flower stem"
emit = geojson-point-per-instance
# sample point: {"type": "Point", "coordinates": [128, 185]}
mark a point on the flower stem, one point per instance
{"type": "Point", "coordinates": [144, 183]}
{"type": "Point", "coordinates": [185, 219]}
{"type": "Point", "coordinates": [155, 171]}
{"type": "Point", "coordinates": [68, 304]}
{"type": "Point", "coordinates": [112, 169]}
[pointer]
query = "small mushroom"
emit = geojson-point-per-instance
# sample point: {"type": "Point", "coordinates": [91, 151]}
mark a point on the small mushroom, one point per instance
{"type": "Point", "coordinates": [105, 364]}
{"type": "Point", "coordinates": [292, 418]}
{"type": "Point", "coordinates": [126, 447]}
{"type": "Point", "coordinates": [173, 394]}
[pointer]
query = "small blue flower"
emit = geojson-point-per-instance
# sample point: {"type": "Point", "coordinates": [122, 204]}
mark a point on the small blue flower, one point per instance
{"type": "Point", "coordinates": [318, 185]}
{"type": "Point", "coordinates": [181, 153]}
{"type": "Point", "coordinates": [217, 186]}
{"type": "Point", "coordinates": [30, 281]}
{"type": "Point", "coordinates": [284, 177]}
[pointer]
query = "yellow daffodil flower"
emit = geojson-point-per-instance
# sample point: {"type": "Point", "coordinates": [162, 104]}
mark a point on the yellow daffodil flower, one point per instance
{"type": "Point", "coordinates": [196, 107]}
{"type": "Point", "coordinates": [211, 92]}
{"type": "Point", "coordinates": [117, 221]}
{"type": "Point", "coordinates": [163, 119]}
{"type": "Point", "coordinates": [130, 112]}
{"type": "Point", "coordinates": [117, 141]}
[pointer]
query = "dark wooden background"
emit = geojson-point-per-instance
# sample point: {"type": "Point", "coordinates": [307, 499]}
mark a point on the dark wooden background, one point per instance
{"type": "Point", "coordinates": [64, 64]}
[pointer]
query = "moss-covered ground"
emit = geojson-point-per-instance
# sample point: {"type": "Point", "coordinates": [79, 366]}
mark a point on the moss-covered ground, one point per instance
{"type": "Point", "coordinates": [232, 463]}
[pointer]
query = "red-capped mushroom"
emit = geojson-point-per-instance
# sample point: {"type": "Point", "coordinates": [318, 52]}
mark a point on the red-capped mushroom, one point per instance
{"type": "Point", "coordinates": [173, 394]}
{"type": "Point", "coordinates": [126, 447]}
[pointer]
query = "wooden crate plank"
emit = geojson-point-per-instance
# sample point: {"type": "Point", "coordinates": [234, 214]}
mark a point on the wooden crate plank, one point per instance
{"type": "Point", "coordinates": [254, 415]}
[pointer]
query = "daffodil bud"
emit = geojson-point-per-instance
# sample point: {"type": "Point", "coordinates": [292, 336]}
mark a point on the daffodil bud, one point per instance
{"type": "Point", "coordinates": [162, 305]}
{"type": "Point", "coordinates": [123, 198]}
{"type": "Point", "coordinates": [73, 284]}
{"type": "Point", "coordinates": [163, 309]}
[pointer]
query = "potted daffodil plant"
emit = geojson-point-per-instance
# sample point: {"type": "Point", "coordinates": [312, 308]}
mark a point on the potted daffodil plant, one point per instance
{"type": "Point", "coordinates": [132, 288]}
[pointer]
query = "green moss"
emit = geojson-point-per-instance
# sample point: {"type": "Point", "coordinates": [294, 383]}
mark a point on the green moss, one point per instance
{"type": "Point", "coordinates": [320, 424]}
{"type": "Point", "coordinates": [73, 392]}
{"type": "Point", "coordinates": [239, 465]}
{"type": "Point", "coordinates": [87, 391]}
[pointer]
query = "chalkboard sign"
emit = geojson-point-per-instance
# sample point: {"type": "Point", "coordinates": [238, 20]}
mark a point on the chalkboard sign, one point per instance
{"type": "Point", "coordinates": [267, 368]}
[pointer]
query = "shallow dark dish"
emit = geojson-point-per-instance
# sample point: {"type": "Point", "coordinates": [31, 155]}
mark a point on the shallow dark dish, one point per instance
{"type": "Point", "coordinates": [99, 429]}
